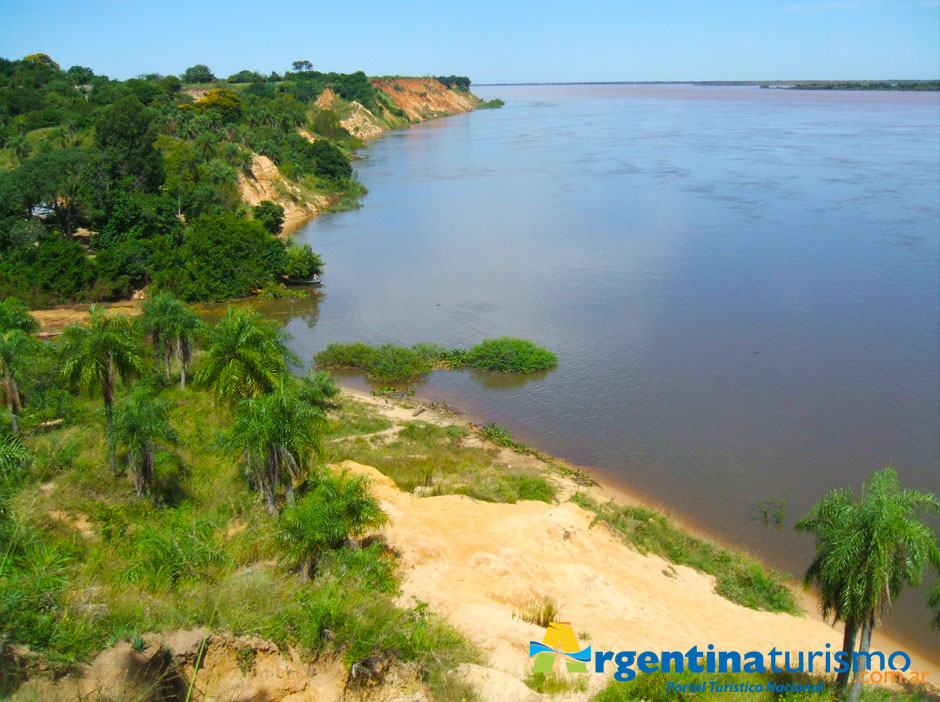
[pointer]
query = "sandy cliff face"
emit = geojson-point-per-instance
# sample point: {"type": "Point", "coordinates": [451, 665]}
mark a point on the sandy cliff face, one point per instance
{"type": "Point", "coordinates": [265, 182]}
{"type": "Point", "coordinates": [424, 98]}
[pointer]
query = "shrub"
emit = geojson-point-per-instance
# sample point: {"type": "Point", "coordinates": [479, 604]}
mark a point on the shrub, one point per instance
{"type": "Point", "coordinates": [301, 263]}
{"type": "Point", "coordinates": [390, 362]}
{"type": "Point", "coordinates": [344, 356]}
{"type": "Point", "coordinates": [510, 355]}
{"type": "Point", "coordinates": [174, 545]}
{"type": "Point", "coordinates": [339, 507]}
{"type": "Point", "coordinates": [271, 216]}
{"type": "Point", "coordinates": [386, 362]}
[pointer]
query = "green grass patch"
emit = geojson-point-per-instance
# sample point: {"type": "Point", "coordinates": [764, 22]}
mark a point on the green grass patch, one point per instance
{"type": "Point", "coordinates": [435, 460]}
{"type": "Point", "coordinates": [391, 363]}
{"type": "Point", "coordinates": [740, 578]}
{"type": "Point", "coordinates": [556, 683]}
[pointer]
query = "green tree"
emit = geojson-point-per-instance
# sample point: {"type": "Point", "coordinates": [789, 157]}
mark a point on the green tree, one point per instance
{"type": "Point", "coordinates": [199, 73]}
{"type": "Point", "coordinates": [138, 425]}
{"type": "Point", "coordinates": [16, 348]}
{"type": "Point", "coordinates": [21, 147]}
{"type": "Point", "coordinates": [185, 331]}
{"type": "Point", "coordinates": [270, 215]}
{"type": "Point", "coordinates": [173, 328]}
{"type": "Point", "coordinates": [301, 263]}
{"type": "Point", "coordinates": [303, 65]}
{"type": "Point", "coordinates": [125, 131]}
{"type": "Point", "coordinates": [338, 508]}
{"type": "Point", "coordinates": [278, 434]}
{"type": "Point", "coordinates": [97, 354]}
{"type": "Point", "coordinates": [868, 550]}
{"type": "Point", "coordinates": [15, 315]}
{"type": "Point", "coordinates": [223, 257]}
{"type": "Point", "coordinates": [246, 356]}
{"type": "Point", "coordinates": [319, 389]}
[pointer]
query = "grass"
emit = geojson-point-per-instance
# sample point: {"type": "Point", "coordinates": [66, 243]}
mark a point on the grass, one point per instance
{"type": "Point", "coordinates": [389, 363]}
{"type": "Point", "coordinates": [556, 683]}
{"type": "Point", "coordinates": [739, 578]}
{"type": "Point", "coordinates": [540, 612]}
{"type": "Point", "coordinates": [434, 460]}
{"type": "Point", "coordinates": [202, 553]}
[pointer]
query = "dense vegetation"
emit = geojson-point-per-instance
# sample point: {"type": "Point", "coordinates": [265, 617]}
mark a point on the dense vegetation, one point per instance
{"type": "Point", "coordinates": [400, 363]}
{"type": "Point", "coordinates": [109, 186]}
{"type": "Point", "coordinates": [245, 445]}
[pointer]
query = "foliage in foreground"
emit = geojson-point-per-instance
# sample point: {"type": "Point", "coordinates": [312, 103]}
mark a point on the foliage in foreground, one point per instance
{"type": "Point", "coordinates": [739, 578]}
{"type": "Point", "coordinates": [399, 363]}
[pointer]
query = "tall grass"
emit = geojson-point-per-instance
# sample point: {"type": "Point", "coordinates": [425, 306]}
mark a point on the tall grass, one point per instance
{"type": "Point", "coordinates": [740, 578]}
{"type": "Point", "coordinates": [436, 460]}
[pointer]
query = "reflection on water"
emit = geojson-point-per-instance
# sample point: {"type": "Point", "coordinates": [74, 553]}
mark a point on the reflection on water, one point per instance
{"type": "Point", "coordinates": [741, 286]}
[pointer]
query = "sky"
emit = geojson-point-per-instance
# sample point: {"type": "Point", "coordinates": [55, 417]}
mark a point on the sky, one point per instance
{"type": "Point", "coordinates": [490, 41]}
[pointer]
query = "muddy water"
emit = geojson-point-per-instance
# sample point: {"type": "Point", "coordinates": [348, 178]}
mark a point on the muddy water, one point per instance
{"type": "Point", "coordinates": [742, 287]}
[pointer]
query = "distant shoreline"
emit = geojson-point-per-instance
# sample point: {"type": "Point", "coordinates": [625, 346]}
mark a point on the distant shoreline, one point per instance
{"type": "Point", "coordinates": [878, 85]}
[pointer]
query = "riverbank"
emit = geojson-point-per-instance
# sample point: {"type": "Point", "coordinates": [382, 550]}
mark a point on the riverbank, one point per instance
{"type": "Point", "coordinates": [482, 545]}
{"type": "Point", "coordinates": [479, 564]}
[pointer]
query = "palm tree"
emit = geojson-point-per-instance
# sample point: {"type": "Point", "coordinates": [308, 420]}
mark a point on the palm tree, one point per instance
{"type": "Point", "coordinates": [12, 455]}
{"type": "Point", "coordinates": [139, 424]}
{"type": "Point", "coordinates": [156, 320]}
{"type": "Point", "coordinates": [831, 522]}
{"type": "Point", "coordinates": [15, 347]}
{"type": "Point", "coordinates": [278, 434]}
{"type": "Point", "coordinates": [933, 601]}
{"type": "Point", "coordinates": [185, 330]}
{"type": "Point", "coordinates": [173, 328]}
{"type": "Point", "coordinates": [15, 315]}
{"type": "Point", "coordinates": [318, 389]}
{"type": "Point", "coordinates": [246, 355]}
{"type": "Point", "coordinates": [867, 551]}
{"type": "Point", "coordinates": [339, 507]}
{"type": "Point", "coordinates": [97, 354]}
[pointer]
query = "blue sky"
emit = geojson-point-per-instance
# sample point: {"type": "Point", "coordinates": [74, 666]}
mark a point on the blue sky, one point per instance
{"type": "Point", "coordinates": [489, 41]}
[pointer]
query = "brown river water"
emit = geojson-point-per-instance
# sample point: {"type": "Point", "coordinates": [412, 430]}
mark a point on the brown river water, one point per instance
{"type": "Point", "coordinates": [742, 287]}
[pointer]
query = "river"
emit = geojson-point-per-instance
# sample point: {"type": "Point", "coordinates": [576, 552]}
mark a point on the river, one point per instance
{"type": "Point", "coordinates": [741, 285]}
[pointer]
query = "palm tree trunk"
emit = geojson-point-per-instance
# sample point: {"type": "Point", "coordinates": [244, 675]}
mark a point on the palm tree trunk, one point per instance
{"type": "Point", "coordinates": [270, 504]}
{"type": "Point", "coordinates": [166, 360]}
{"type": "Point", "coordinates": [136, 476]}
{"type": "Point", "coordinates": [109, 418]}
{"type": "Point", "coordinates": [147, 467]}
{"type": "Point", "coordinates": [864, 646]}
{"type": "Point", "coordinates": [848, 645]}
{"type": "Point", "coordinates": [13, 400]}
{"type": "Point", "coordinates": [179, 357]}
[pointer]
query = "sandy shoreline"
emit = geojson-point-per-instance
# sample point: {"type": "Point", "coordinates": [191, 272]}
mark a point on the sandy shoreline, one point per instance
{"type": "Point", "coordinates": [477, 562]}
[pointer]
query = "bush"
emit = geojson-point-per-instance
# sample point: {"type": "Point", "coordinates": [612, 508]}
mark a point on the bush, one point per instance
{"type": "Point", "coordinates": [225, 257]}
{"type": "Point", "coordinates": [270, 215]}
{"type": "Point", "coordinates": [344, 356]}
{"type": "Point", "coordinates": [174, 545]}
{"type": "Point", "coordinates": [339, 507]}
{"type": "Point", "coordinates": [386, 362]}
{"type": "Point", "coordinates": [301, 263]}
{"type": "Point", "coordinates": [510, 355]}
